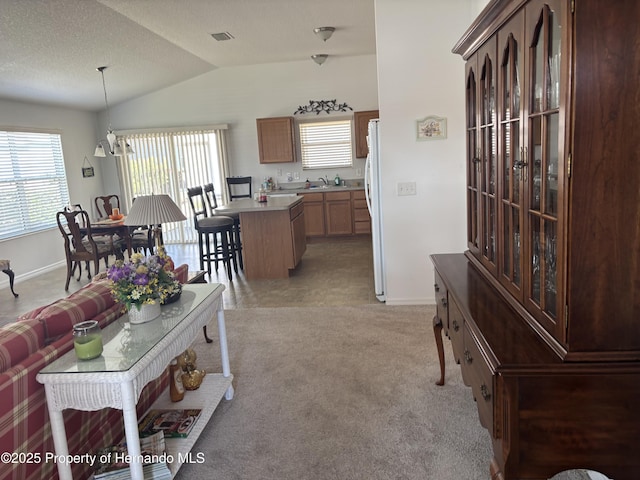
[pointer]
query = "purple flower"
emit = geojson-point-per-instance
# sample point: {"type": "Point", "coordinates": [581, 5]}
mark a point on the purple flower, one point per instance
{"type": "Point", "coordinates": [141, 279]}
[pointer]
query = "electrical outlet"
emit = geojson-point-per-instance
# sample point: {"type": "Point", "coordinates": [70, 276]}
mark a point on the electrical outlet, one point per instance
{"type": "Point", "coordinates": [279, 172]}
{"type": "Point", "coordinates": [406, 188]}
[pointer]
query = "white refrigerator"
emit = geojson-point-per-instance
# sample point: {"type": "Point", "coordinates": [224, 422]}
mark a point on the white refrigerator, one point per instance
{"type": "Point", "coordinates": [372, 190]}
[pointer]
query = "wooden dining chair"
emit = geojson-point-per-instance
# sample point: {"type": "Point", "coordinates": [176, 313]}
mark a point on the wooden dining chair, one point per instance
{"type": "Point", "coordinates": [239, 187]}
{"type": "Point", "coordinates": [79, 245]}
{"type": "Point", "coordinates": [106, 204]}
{"type": "Point", "coordinates": [116, 244]}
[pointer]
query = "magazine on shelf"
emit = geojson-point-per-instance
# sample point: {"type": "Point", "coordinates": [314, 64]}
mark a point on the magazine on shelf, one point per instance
{"type": "Point", "coordinates": [113, 461]}
{"type": "Point", "coordinates": [174, 423]}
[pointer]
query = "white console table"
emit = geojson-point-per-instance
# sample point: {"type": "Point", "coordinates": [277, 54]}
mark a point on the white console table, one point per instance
{"type": "Point", "coordinates": [133, 356]}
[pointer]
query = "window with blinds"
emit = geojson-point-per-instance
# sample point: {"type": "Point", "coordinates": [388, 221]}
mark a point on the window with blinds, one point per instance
{"type": "Point", "coordinates": [326, 144]}
{"type": "Point", "coordinates": [33, 182]}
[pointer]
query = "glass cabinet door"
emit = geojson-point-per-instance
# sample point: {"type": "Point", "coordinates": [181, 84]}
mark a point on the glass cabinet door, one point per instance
{"type": "Point", "coordinates": [488, 147]}
{"type": "Point", "coordinates": [542, 156]}
{"type": "Point", "coordinates": [473, 160]}
{"type": "Point", "coordinates": [511, 77]}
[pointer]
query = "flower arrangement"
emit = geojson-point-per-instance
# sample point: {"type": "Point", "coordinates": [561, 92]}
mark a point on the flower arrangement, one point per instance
{"type": "Point", "coordinates": [143, 280]}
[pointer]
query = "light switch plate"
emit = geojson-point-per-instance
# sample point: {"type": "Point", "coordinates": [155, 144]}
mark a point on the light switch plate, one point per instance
{"type": "Point", "coordinates": [406, 188]}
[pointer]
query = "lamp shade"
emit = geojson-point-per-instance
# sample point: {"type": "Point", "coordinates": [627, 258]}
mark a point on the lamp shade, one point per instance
{"type": "Point", "coordinates": [154, 210]}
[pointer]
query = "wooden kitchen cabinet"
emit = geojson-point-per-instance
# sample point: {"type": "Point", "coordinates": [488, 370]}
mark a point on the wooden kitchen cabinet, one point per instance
{"type": "Point", "coordinates": [276, 140]}
{"type": "Point", "coordinates": [361, 130]}
{"type": "Point", "coordinates": [338, 218]}
{"type": "Point", "coordinates": [273, 235]}
{"type": "Point", "coordinates": [314, 214]}
{"type": "Point", "coordinates": [336, 213]}
{"type": "Point", "coordinates": [542, 310]}
{"type": "Point", "coordinates": [298, 234]}
{"type": "Point", "coordinates": [361, 216]}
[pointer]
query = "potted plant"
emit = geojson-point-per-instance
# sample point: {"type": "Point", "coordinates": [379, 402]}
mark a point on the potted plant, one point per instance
{"type": "Point", "coordinates": [143, 284]}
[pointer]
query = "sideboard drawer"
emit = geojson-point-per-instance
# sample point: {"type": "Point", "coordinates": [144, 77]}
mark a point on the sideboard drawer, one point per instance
{"type": "Point", "coordinates": [456, 326]}
{"type": "Point", "coordinates": [441, 302]}
{"type": "Point", "coordinates": [480, 376]}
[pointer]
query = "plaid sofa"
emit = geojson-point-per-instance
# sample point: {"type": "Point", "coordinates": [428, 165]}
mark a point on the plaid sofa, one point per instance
{"type": "Point", "coordinates": [36, 339]}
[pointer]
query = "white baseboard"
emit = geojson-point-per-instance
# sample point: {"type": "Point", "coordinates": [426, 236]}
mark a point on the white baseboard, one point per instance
{"type": "Point", "coordinates": [33, 274]}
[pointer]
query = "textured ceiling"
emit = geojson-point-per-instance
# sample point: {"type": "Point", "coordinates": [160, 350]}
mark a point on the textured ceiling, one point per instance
{"type": "Point", "coordinates": [49, 49]}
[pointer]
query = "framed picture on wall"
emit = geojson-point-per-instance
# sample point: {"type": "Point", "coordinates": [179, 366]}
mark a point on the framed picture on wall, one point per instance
{"type": "Point", "coordinates": [432, 128]}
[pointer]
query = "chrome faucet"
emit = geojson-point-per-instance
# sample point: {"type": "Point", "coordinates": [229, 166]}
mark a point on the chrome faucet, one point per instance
{"type": "Point", "coordinates": [324, 180]}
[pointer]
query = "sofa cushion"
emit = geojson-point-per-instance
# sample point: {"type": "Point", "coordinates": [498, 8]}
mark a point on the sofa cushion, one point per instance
{"type": "Point", "coordinates": [18, 340]}
{"type": "Point", "coordinates": [85, 304]}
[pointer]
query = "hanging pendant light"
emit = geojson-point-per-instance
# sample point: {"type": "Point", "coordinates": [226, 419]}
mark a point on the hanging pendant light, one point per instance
{"type": "Point", "coordinates": [114, 146]}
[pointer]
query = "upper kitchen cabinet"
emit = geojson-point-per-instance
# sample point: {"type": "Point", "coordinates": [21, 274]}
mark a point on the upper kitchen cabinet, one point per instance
{"type": "Point", "coordinates": [276, 140]}
{"type": "Point", "coordinates": [361, 125]}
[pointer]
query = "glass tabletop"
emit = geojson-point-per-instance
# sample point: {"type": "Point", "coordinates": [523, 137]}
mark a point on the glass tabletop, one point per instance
{"type": "Point", "coordinates": [125, 344]}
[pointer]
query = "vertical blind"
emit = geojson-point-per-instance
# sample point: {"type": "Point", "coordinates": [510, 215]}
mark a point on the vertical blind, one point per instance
{"type": "Point", "coordinates": [33, 182]}
{"type": "Point", "coordinates": [326, 144]}
{"type": "Point", "coordinates": [169, 163]}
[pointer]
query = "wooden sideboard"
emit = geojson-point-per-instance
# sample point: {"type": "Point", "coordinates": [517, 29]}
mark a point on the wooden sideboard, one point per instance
{"type": "Point", "coordinates": [543, 309]}
{"type": "Point", "coordinates": [545, 415]}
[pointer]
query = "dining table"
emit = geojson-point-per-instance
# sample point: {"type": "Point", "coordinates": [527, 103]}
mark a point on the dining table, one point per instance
{"type": "Point", "coordinates": [107, 226]}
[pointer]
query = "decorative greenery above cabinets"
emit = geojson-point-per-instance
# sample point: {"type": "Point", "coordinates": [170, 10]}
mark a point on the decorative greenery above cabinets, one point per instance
{"type": "Point", "coordinates": [326, 106]}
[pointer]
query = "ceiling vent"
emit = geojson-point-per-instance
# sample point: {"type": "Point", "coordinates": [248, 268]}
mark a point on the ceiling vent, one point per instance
{"type": "Point", "coordinates": [222, 36]}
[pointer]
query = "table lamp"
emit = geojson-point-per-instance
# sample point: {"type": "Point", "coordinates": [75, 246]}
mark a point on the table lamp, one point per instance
{"type": "Point", "coordinates": [154, 210]}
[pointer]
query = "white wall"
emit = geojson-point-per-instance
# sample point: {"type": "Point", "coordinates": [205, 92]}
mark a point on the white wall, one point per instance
{"type": "Point", "coordinates": [32, 253]}
{"type": "Point", "coordinates": [239, 95]}
{"type": "Point", "coordinates": [414, 75]}
{"type": "Point", "coordinates": [419, 76]}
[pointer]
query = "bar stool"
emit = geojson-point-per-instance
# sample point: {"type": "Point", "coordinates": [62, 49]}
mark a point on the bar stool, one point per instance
{"type": "Point", "coordinates": [232, 182]}
{"type": "Point", "coordinates": [220, 227]}
{"type": "Point", "coordinates": [236, 243]}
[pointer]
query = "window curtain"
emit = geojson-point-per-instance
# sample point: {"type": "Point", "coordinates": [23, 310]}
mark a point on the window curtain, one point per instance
{"type": "Point", "coordinates": [169, 162]}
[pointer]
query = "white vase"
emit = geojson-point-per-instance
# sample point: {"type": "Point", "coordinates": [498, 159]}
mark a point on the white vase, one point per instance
{"type": "Point", "coordinates": [147, 312]}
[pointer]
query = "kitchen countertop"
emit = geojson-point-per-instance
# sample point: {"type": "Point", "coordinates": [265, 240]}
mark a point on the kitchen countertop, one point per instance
{"type": "Point", "coordinates": [243, 205]}
{"type": "Point", "coordinates": [314, 189]}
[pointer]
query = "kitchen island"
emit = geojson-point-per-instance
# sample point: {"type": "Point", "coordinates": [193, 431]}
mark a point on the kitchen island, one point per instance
{"type": "Point", "coordinates": [273, 234]}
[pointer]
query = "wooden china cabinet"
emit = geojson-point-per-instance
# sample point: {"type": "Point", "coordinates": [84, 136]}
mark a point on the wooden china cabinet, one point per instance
{"type": "Point", "coordinates": [543, 310]}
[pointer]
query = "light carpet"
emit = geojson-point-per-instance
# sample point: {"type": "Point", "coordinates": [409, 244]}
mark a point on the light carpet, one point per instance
{"type": "Point", "coordinates": [338, 393]}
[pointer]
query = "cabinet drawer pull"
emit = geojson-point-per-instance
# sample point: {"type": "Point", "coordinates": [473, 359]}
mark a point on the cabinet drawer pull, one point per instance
{"type": "Point", "coordinates": [467, 357]}
{"type": "Point", "coordinates": [436, 286]}
{"type": "Point", "coordinates": [456, 326]}
{"type": "Point", "coordinates": [444, 302]}
{"type": "Point", "coordinates": [484, 391]}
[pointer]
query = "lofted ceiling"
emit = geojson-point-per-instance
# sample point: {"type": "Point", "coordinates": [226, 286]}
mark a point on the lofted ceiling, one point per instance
{"type": "Point", "coordinates": [49, 49]}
